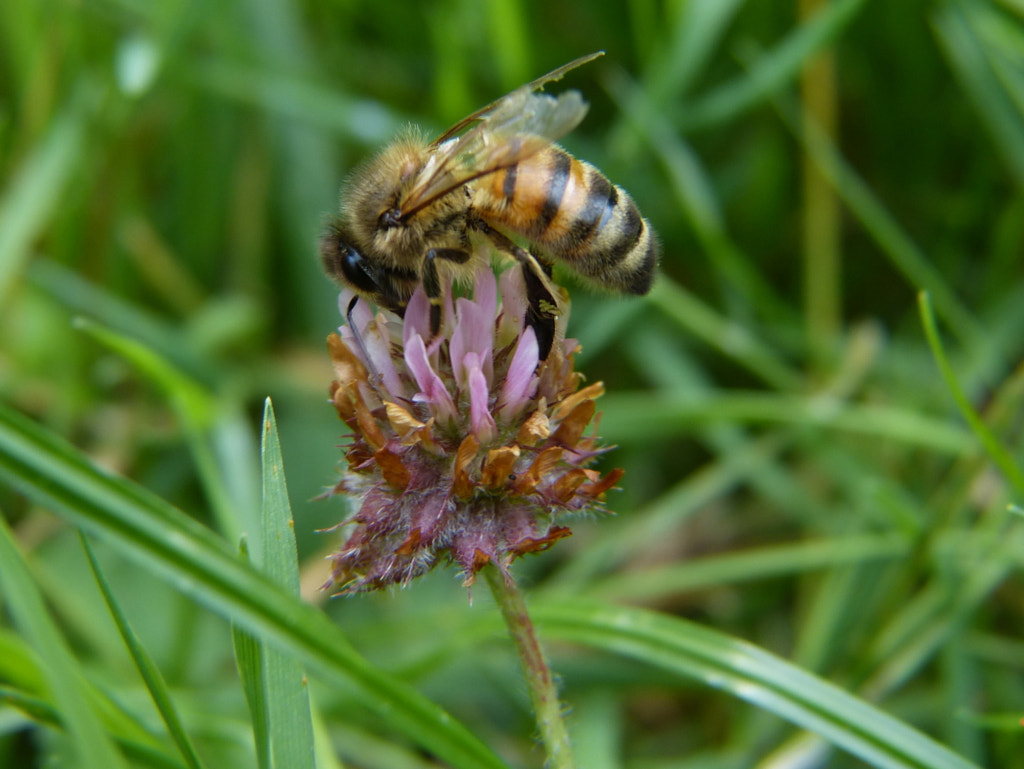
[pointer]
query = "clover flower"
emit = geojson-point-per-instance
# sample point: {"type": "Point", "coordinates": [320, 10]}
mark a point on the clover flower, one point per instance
{"type": "Point", "coordinates": [465, 447]}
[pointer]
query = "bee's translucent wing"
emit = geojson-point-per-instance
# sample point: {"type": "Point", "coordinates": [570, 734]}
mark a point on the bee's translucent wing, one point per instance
{"type": "Point", "coordinates": [499, 136]}
{"type": "Point", "coordinates": [480, 114]}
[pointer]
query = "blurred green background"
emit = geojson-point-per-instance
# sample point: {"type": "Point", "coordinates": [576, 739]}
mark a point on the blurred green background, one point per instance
{"type": "Point", "coordinates": [797, 472]}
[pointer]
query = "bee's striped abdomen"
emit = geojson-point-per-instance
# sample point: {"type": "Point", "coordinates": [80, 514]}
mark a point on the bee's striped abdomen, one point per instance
{"type": "Point", "coordinates": [569, 211]}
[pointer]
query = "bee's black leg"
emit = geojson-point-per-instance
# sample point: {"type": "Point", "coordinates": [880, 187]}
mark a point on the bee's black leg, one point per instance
{"type": "Point", "coordinates": [454, 255]}
{"type": "Point", "coordinates": [432, 287]}
{"type": "Point", "coordinates": [540, 312]}
{"type": "Point", "coordinates": [542, 307]}
{"type": "Point", "coordinates": [432, 282]}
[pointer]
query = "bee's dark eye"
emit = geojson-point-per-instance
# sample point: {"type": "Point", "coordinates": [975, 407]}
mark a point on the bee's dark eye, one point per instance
{"type": "Point", "coordinates": [356, 269]}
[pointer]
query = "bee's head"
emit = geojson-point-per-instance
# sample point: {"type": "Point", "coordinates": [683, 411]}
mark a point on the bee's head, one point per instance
{"type": "Point", "coordinates": [344, 262]}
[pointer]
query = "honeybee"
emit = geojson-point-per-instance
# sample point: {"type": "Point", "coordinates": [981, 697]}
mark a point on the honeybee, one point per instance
{"type": "Point", "coordinates": [415, 214]}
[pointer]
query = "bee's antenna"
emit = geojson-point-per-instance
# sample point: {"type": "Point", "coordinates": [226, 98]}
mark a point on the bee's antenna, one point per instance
{"type": "Point", "coordinates": [375, 378]}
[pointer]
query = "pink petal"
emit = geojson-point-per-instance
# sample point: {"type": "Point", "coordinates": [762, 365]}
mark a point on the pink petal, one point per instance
{"type": "Point", "coordinates": [361, 316]}
{"type": "Point", "coordinates": [474, 333]}
{"type": "Point", "coordinates": [432, 389]}
{"type": "Point", "coordinates": [361, 313]}
{"type": "Point", "coordinates": [343, 299]}
{"type": "Point", "coordinates": [521, 381]}
{"type": "Point", "coordinates": [485, 292]}
{"type": "Point", "coordinates": [377, 338]}
{"type": "Point", "coordinates": [513, 304]}
{"type": "Point", "coordinates": [447, 315]}
{"type": "Point", "coordinates": [479, 411]}
{"type": "Point", "coordinates": [417, 317]}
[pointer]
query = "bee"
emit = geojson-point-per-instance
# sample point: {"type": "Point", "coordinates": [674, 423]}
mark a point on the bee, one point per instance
{"type": "Point", "coordinates": [417, 213]}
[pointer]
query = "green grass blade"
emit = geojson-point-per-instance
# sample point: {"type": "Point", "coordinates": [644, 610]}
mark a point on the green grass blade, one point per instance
{"type": "Point", "coordinates": [751, 564]}
{"type": "Point", "coordinates": [629, 417]}
{"type": "Point", "coordinates": [929, 620]}
{"type": "Point", "coordinates": [621, 540]}
{"type": "Point", "coordinates": [33, 194]}
{"type": "Point", "coordinates": [693, 189]}
{"type": "Point", "coordinates": [697, 29]}
{"type": "Point", "coordinates": [19, 666]}
{"type": "Point", "coordinates": [37, 709]}
{"type": "Point", "coordinates": [597, 732]}
{"type": "Point", "coordinates": [1003, 459]}
{"type": "Point", "coordinates": [904, 254]}
{"type": "Point", "coordinates": [288, 713]}
{"type": "Point", "coordinates": [324, 742]}
{"type": "Point", "coordinates": [729, 338]}
{"type": "Point", "coordinates": [296, 99]}
{"type": "Point", "coordinates": [88, 739]}
{"type": "Point", "coordinates": [82, 297]}
{"type": "Point", "coordinates": [697, 32]}
{"type": "Point", "coordinates": [25, 688]}
{"type": "Point", "coordinates": [508, 24]}
{"type": "Point", "coordinates": [958, 27]}
{"type": "Point", "coordinates": [151, 675]}
{"type": "Point", "coordinates": [42, 712]}
{"type": "Point", "coordinates": [249, 661]}
{"type": "Point", "coordinates": [195, 408]}
{"type": "Point", "coordinates": [191, 558]}
{"type": "Point", "coordinates": [775, 70]}
{"type": "Point", "coordinates": [752, 674]}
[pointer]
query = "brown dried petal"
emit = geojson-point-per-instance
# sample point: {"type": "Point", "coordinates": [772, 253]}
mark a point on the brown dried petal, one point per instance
{"type": "Point", "coordinates": [480, 559]}
{"type": "Point", "coordinates": [566, 486]}
{"type": "Point", "coordinates": [598, 488]}
{"type": "Point", "coordinates": [347, 367]}
{"type": "Point", "coordinates": [569, 403]}
{"type": "Point", "coordinates": [343, 404]}
{"type": "Point", "coordinates": [592, 442]}
{"type": "Point", "coordinates": [367, 424]}
{"type": "Point", "coordinates": [411, 543]}
{"type": "Point", "coordinates": [462, 485]}
{"type": "Point", "coordinates": [535, 429]}
{"type": "Point", "coordinates": [410, 430]}
{"type": "Point", "coordinates": [498, 466]}
{"type": "Point", "coordinates": [544, 463]}
{"type": "Point", "coordinates": [571, 430]}
{"type": "Point", "coordinates": [391, 467]}
{"type": "Point", "coordinates": [404, 423]}
{"type": "Point", "coordinates": [554, 534]}
{"type": "Point", "coordinates": [359, 459]}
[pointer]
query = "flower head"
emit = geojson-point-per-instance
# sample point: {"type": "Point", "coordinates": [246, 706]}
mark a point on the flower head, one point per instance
{"type": "Point", "coordinates": [464, 446]}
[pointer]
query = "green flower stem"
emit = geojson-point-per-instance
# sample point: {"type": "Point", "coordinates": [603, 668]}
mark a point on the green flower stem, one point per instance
{"type": "Point", "coordinates": [539, 680]}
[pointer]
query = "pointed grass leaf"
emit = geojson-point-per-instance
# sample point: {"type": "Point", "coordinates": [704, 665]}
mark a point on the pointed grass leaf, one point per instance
{"type": "Point", "coordinates": [88, 740]}
{"type": "Point", "coordinates": [751, 674]}
{"type": "Point", "coordinates": [287, 696]}
{"type": "Point", "coordinates": [965, 35]}
{"type": "Point", "coordinates": [196, 409]}
{"type": "Point", "coordinates": [775, 70]}
{"type": "Point", "coordinates": [33, 194]}
{"type": "Point", "coordinates": [633, 417]}
{"type": "Point", "coordinates": [998, 453]}
{"type": "Point", "coordinates": [249, 661]}
{"type": "Point", "coordinates": [151, 675]}
{"type": "Point", "coordinates": [203, 566]}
